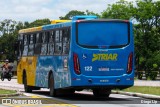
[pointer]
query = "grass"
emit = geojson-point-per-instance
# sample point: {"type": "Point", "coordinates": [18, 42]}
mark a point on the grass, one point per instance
{"type": "Point", "coordinates": [2, 91]}
{"type": "Point", "coordinates": [144, 90]}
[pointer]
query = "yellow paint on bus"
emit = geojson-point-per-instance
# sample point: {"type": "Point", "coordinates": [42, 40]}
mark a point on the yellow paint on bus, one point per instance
{"type": "Point", "coordinates": [29, 65]}
{"type": "Point", "coordinates": [59, 21]}
{"type": "Point", "coordinates": [34, 29]}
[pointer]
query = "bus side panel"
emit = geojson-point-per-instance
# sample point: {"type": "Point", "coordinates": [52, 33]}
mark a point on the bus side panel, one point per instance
{"type": "Point", "coordinates": [31, 70]}
{"type": "Point", "coordinates": [55, 64]}
{"type": "Point", "coordinates": [20, 66]}
{"type": "Point", "coordinates": [27, 64]}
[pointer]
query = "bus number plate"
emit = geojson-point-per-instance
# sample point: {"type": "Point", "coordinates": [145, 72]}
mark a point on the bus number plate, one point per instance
{"type": "Point", "coordinates": [88, 68]}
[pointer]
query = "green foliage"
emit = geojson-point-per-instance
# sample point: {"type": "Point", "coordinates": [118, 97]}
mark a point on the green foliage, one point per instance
{"type": "Point", "coordinates": [147, 37]}
{"type": "Point", "coordinates": [120, 10]}
{"type": "Point", "coordinates": [72, 13]}
{"type": "Point", "coordinates": [3, 91]}
{"type": "Point", "coordinates": [140, 75]}
{"type": "Point", "coordinates": [155, 66]}
{"type": "Point", "coordinates": [38, 22]}
{"type": "Point", "coordinates": [92, 13]}
{"type": "Point", "coordinates": [151, 75]}
{"type": "Point", "coordinates": [144, 90]}
{"type": "Point", "coordinates": [145, 13]}
{"type": "Point", "coordinates": [9, 31]}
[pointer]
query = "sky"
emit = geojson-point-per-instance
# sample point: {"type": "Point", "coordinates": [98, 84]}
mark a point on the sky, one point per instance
{"type": "Point", "coordinates": [30, 10]}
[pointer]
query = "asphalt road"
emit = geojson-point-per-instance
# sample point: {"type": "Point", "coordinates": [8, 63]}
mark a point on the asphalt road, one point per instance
{"type": "Point", "coordinates": [79, 99]}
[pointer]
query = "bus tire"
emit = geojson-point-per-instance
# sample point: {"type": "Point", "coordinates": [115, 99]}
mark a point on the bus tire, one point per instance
{"type": "Point", "coordinates": [26, 87]}
{"type": "Point", "coordinates": [53, 92]}
{"type": "Point", "coordinates": [101, 93]}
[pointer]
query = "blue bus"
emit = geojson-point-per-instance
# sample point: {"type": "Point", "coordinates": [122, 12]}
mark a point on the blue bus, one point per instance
{"type": "Point", "coordinates": [83, 53]}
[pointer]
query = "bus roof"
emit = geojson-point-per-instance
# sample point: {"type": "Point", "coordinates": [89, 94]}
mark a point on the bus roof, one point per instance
{"type": "Point", "coordinates": [49, 26]}
{"type": "Point", "coordinates": [34, 29]}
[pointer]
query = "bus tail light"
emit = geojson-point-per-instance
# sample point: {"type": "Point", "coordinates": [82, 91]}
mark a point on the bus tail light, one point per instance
{"type": "Point", "coordinates": [76, 63]}
{"type": "Point", "coordinates": [130, 63]}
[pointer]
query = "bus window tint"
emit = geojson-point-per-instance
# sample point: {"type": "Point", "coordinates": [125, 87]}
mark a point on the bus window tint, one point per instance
{"type": "Point", "coordinates": [103, 34]}
{"type": "Point", "coordinates": [38, 44]}
{"type": "Point", "coordinates": [31, 39]}
{"type": "Point", "coordinates": [44, 43]}
{"type": "Point", "coordinates": [20, 48]}
{"type": "Point", "coordinates": [38, 38]}
{"type": "Point", "coordinates": [25, 51]}
{"type": "Point", "coordinates": [51, 43]}
{"type": "Point", "coordinates": [44, 37]}
{"type": "Point", "coordinates": [31, 45]}
{"type": "Point", "coordinates": [66, 41]}
{"type": "Point", "coordinates": [58, 42]}
{"type": "Point", "coordinates": [26, 39]}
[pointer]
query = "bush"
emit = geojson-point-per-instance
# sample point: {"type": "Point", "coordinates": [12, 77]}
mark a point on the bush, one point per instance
{"type": "Point", "coordinates": [155, 67]}
{"type": "Point", "coordinates": [153, 75]}
{"type": "Point", "coordinates": [147, 74]}
{"type": "Point", "coordinates": [140, 75]}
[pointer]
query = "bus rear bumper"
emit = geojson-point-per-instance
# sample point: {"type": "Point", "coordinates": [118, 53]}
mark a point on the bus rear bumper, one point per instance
{"type": "Point", "coordinates": [104, 81]}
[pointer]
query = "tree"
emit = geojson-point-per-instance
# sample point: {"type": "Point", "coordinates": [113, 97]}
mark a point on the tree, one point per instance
{"type": "Point", "coordinates": [70, 14]}
{"type": "Point", "coordinates": [7, 26]}
{"type": "Point", "coordinates": [120, 10]}
{"type": "Point", "coordinates": [39, 22]}
{"type": "Point", "coordinates": [92, 13]}
{"type": "Point", "coordinates": [8, 35]}
{"type": "Point", "coordinates": [146, 28]}
{"type": "Point", "coordinates": [147, 35]}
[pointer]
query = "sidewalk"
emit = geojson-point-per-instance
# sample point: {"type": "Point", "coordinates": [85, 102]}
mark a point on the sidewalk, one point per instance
{"type": "Point", "coordinates": [155, 83]}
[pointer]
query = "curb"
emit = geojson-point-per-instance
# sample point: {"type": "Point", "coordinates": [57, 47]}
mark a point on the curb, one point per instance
{"type": "Point", "coordinates": [148, 96]}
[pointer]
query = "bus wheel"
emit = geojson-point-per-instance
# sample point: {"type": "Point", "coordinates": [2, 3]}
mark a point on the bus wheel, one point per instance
{"type": "Point", "coordinates": [101, 92]}
{"type": "Point", "coordinates": [53, 92]}
{"type": "Point", "coordinates": [26, 87]}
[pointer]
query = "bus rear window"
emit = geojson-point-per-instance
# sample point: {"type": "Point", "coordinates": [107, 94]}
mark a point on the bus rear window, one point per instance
{"type": "Point", "coordinates": [110, 34]}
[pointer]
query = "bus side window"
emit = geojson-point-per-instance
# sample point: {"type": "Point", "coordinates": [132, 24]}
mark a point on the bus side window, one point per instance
{"type": "Point", "coordinates": [26, 41]}
{"type": "Point", "coordinates": [31, 45]}
{"type": "Point", "coordinates": [38, 44]}
{"type": "Point", "coordinates": [51, 43]}
{"type": "Point", "coordinates": [58, 42]}
{"type": "Point", "coordinates": [21, 45]}
{"type": "Point", "coordinates": [66, 41]}
{"type": "Point", "coordinates": [44, 43]}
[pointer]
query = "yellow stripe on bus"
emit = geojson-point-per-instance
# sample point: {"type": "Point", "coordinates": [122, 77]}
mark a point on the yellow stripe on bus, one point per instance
{"type": "Point", "coordinates": [31, 29]}
{"type": "Point", "coordinates": [59, 21]}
